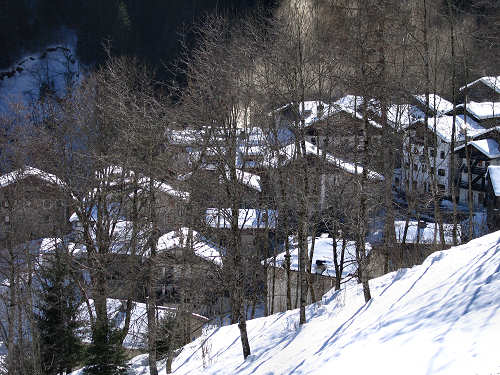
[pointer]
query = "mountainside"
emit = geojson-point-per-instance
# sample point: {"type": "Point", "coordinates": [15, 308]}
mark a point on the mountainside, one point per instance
{"type": "Point", "coordinates": [442, 317]}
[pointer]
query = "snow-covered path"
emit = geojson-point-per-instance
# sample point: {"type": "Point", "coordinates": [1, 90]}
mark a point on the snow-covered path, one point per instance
{"type": "Point", "coordinates": [442, 317]}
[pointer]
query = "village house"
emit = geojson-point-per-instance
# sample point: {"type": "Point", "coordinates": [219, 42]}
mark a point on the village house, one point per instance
{"type": "Point", "coordinates": [438, 131]}
{"type": "Point", "coordinates": [417, 239]}
{"type": "Point", "coordinates": [493, 197]}
{"type": "Point", "coordinates": [483, 151]}
{"type": "Point", "coordinates": [484, 89]}
{"type": "Point", "coordinates": [435, 107]}
{"type": "Point", "coordinates": [328, 172]}
{"type": "Point", "coordinates": [332, 127]}
{"type": "Point", "coordinates": [33, 204]}
{"type": "Point", "coordinates": [322, 276]}
{"type": "Point", "coordinates": [486, 114]}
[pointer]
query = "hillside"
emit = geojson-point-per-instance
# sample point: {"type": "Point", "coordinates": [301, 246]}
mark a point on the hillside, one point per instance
{"type": "Point", "coordinates": [442, 317]}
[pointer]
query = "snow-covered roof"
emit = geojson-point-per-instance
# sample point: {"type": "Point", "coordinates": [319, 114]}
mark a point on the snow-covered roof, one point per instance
{"type": "Point", "coordinates": [164, 188]}
{"type": "Point", "coordinates": [352, 105]}
{"type": "Point", "coordinates": [400, 115]}
{"type": "Point", "coordinates": [492, 81]}
{"type": "Point", "coordinates": [202, 247]}
{"type": "Point", "coordinates": [488, 147]}
{"type": "Point", "coordinates": [142, 182]}
{"type": "Point", "coordinates": [349, 104]}
{"type": "Point", "coordinates": [437, 104]}
{"type": "Point", "coordinates": [252, 150]}
{"type": "Point", "coordinates": [483, 110]}
{"type": "Point", "coordinates": [424, 234]}
{"type": "Point", "coordinates": [494, 173]}
{"type": "Point", "coordinates": [22, 173]}
{"type": "Point", "coordinates": [249, 179]}
{"type": "Point", "coordinates": [137, 335]}
{"type": "Point", "coordinates": [185, 137]}
{"type": "Point", "coordinates": [444, 125]}
{"type": "Point", "coordinates": [323, 252]}
{"type": "Point", "coordinates": [288, 153]}
{"type": "Point", "coordinates": [248, 218]}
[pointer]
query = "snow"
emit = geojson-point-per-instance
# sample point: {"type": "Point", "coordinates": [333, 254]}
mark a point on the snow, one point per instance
{"type": "Point", "coordinates": [248, 218]}
{"type": "Point", "coordinates": [437, 104]}
{"type": "Point", "coordinates": [163, 187]}
{"type": "Point", "coordinates": [185, 137]}
{"type": "Point", "coordinates": [323, 251]}
{"type": "Point", "coordinates": [492, 81]}
{"type": "Point", "coordinates": [202, 247]}
{"type": "Point", "coordinates": [444, 125]}
{"type": "Point", "coordinates": [288, 153]}
{"type": "Point", "coordinates": [441, 317]}
{"type": "Point", "coordinates": [400, 116]}
{"type": "Point", "coordinates": [309, 110]}
{"type": "Point", "coordinates": [352, 104]}
{"type": "Point", "coordinates": [425, 233]}
{"type": "Point", "coordinates": [249, 179]}
{"type": "Point", "coordinates": [22, 173]}
{"type": "Point", "coordinates": [494, 173]}
{"type": "Point", "coordinates": [56, 65]}
{"type": "Point", "coordinates": [136, 336]}
{"type": "Point", "coordinates": [349, 104]}
{"type": "Point", "coordinates": [483, 110]}
{"type": "Point", "coordinates": [488, 147]}
{"type": "Point", "coordinates": [142, 182]}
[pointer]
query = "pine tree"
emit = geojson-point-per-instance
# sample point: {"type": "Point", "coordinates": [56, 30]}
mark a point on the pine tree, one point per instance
{"type": "Point", "coordinates": [58, 324]}
{"type": "Point", "coordinates": [105, 355]}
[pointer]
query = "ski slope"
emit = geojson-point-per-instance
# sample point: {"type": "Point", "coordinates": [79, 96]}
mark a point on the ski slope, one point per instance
{"type": "Point", "coordinates": [442, 317]}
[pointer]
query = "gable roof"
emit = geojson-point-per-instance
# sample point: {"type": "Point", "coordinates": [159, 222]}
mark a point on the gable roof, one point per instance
{"type": "Point", "coordinates": [489, 147]}
{"type": "Point", "coordinates": [349, 104]}
{"type": "Point", "coordinates": [483, 110]}
{"type": "Point", "coordinates": [202, 247]}
{"type": "Point", "coordinates": [248, 218]}
{"type": "Point", "coordinates": [323, 253]}
{"type": "Point", "coordinates": [437, 104]}
{"type": "Point", "coordinates": [27, 171]}
{"type": "Point", "coordinates": [444, 125]}
{"type": "Point", "coordinates": [289, 153]}
{"type": "Point", "coordinates": [494, 173]}
{"type": "Point", "coordinates": [424, 234]}
{"type": "Point", "coordinates": [492, 82]}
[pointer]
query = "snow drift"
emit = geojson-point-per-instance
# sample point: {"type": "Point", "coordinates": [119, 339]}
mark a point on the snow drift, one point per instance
{"type": "Point", "coordinates": [442, 317]}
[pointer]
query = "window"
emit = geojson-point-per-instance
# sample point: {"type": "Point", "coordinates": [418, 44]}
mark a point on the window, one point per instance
{"type": "Point", "coordinates": [432, 152]}
{"type": "Point", "coordinates": [441, 187]}
{"type": "Point", "coordinates": [441, 155]}
{"type": "Point", "coordinates": [7, 219]}
{"type": "Point", "coordinates": [441, 172]}
{"type": "Point", "coordinates": [432, 170]}
{"type": "Point", "coordinates": [415, 167]}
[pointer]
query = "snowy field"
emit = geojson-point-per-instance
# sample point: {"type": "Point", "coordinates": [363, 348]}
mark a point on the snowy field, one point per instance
{"type": "Point", "coordinates": [442, 317]}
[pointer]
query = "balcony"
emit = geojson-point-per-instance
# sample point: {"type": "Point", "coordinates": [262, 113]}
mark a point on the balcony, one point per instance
{"type": "Point", "coordinates": [475, 186]}
{"type": "Point", "coordinates": [478, 171]}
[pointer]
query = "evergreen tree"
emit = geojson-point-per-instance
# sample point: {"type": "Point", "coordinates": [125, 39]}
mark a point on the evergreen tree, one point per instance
{"type": "Point", "coordinates": [105, 355]}
{"type": "Point", "coordinates": [61, 349]}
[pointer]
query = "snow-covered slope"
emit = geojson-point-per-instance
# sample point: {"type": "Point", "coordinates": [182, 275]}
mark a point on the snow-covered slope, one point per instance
{"type": "Point", "coordinates": [442, 317]}
{"type": "Point", "coordinates": [54, 66]}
